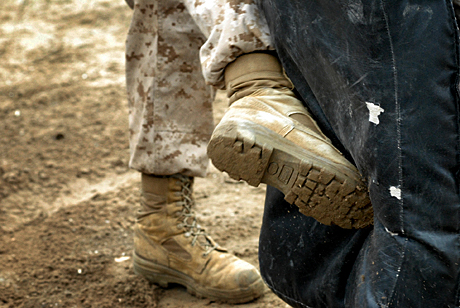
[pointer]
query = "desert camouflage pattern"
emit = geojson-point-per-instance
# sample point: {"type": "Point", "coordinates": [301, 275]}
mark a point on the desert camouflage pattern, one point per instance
{"type": "Point", "coordinates": [170, 103]}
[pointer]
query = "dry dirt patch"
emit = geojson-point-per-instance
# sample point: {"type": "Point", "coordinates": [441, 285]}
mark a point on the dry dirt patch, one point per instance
{"type": "Point", "coordinates": [67, 197]}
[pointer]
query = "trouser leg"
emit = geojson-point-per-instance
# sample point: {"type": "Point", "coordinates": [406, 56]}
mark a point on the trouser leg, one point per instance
{"type": "Point", "coordinates": [232, 28]}
{"type": "Point", "coordinates": [170, 106]}
{"type": "Point", "coordinates": [382, 78]}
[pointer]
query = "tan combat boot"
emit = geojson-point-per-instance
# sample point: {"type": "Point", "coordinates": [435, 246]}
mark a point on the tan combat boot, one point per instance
{"type": "Point", "coordinates": [268, 136]}
{"type": "Point", "coordinates": [170, 247]}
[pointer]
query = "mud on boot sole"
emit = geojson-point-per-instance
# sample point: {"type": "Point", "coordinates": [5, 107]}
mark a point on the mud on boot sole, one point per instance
{"type": "Point", "coordinates": [164, 276]}
{"type": "Point", "coordinates": [332, 194]}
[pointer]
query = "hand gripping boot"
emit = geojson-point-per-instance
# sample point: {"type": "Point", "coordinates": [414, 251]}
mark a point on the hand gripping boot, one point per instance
{"type": "Point", "coordinates": [170, 247]}
{"type": "Point", "coordinates": [268, 136]}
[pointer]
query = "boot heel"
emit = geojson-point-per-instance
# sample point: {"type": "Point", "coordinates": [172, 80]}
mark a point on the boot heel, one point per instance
{"type": "Point", "coordinates": [150, 271]}
{"type": "Point", "coordinates": [236, 153]}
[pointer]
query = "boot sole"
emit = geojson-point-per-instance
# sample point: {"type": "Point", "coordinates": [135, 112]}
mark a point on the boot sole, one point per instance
{"type": "Point", "coordinates": [163, 276]}
{"type": "Point", "coordinates": [332, 194]}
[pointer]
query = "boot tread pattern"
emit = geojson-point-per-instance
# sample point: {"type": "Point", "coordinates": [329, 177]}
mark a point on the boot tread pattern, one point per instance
{"type": "Point", "coordinates": [320, 194]}
{"type": "Point", "coordinates": [330, 197]}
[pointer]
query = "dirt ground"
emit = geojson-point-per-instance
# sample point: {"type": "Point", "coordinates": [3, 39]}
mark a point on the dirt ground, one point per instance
{"type": "Point", "coordinates": [67, 197]}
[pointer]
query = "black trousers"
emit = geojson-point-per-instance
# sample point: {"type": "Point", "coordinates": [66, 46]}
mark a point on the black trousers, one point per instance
{"type": "Point", "coordinates": [382, 78]}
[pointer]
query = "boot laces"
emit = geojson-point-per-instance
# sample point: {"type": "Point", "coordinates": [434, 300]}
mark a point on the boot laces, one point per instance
{"type": "Point", "coordinates": [190, 224]}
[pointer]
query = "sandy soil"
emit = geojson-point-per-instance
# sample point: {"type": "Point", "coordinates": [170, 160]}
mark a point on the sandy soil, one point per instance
{"type": "Point", "coordinates": [67, 197]}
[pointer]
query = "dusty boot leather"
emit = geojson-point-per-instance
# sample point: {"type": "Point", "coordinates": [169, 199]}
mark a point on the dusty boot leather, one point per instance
{"type": "Point", "coordinates": [170, 247]}
{"type": "Point", "coordinates": [268, 136]}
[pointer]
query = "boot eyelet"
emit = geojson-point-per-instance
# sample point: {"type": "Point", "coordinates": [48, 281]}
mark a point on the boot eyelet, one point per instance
{"type": "Point", "coordinates": [187, 234]}
{"type": "Point", "coordinates": [180, 226]}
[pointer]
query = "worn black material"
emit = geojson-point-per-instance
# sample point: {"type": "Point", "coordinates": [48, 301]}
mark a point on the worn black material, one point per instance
{"type": "Point", "coordinates": [303, 260]}
{"type": "Point", "coordinates": [349, 59]}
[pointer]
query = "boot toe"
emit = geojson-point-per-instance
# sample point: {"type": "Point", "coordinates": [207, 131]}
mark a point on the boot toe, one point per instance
{"type": "Point", "coordinates": [246, 278]}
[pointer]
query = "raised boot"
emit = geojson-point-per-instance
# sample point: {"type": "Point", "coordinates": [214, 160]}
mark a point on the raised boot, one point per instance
{"type": "Point", "coordinates": [268, 136]}
{"type": "Point", "coordinates": [170, 246]}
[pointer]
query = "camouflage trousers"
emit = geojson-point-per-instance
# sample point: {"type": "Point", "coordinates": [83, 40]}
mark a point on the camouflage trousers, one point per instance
{"type": "Point", "coordinates": [170, 101]}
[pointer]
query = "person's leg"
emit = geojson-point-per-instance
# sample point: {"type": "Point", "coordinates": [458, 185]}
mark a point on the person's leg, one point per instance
{"type": "Point", "coordinates": [170, 125]}
{"type": "Point", "coordinates": [383, 77]}
{"type": "Point", "coordinates": [232, 28]}
{"type": "Point", "coordinates": [169, 103]}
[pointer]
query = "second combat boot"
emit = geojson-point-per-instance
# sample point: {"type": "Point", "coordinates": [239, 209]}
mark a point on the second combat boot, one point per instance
{"type": "Point", "coordinates": [268, 136]}
{"type": "Point", "coordinates": [170, 246]}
